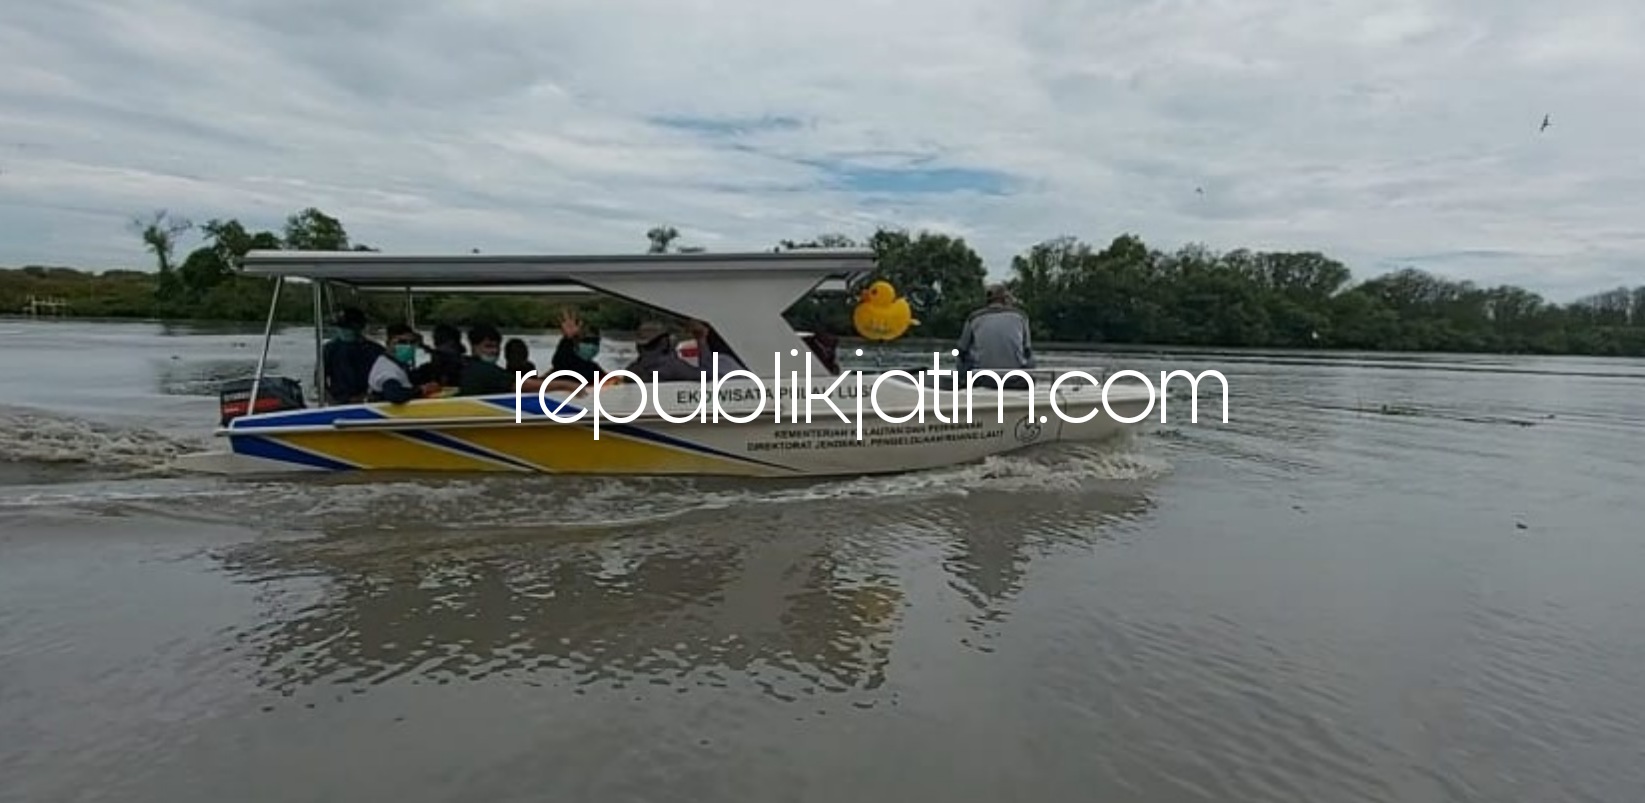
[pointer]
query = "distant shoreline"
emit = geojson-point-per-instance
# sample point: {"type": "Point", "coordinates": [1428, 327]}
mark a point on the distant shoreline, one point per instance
{"type": "Point", "coordinates": [923, 344]}
{"type": "Point", "coordinates": [1124, 298]}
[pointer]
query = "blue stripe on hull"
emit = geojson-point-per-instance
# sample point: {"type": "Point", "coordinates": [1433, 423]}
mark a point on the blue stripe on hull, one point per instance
{"type": "Point", "coordinates": [258, 446]}
{"type": "Point", "coordinates": [307, 418]}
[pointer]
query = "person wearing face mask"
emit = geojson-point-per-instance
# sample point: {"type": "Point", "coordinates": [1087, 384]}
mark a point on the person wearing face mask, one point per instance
{"type": "Point", "coordinates": [482, 376]}
{"type": "Point", "coordinates": [655, 345]}
{"type": "Point", "coordinates": [579, 345]}
{"type": "Point", "coordinates": [391, 374]}
{"type": "Point", "coordinates": [348, 358]}
{"type": "Point", "coordinates": [445, 359]}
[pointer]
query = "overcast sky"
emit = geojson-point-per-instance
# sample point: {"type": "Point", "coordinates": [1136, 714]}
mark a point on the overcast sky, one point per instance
{"type": "Point", "coordinates": [1384, 132]}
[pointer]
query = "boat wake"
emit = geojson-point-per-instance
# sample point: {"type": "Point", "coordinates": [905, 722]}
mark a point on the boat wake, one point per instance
{"type": "Point", "coordinates": [334, 503]}
{"type": "Point", "coordinates": [1068, 469]}
{"type": "Point", "coordinates": [32, 437]}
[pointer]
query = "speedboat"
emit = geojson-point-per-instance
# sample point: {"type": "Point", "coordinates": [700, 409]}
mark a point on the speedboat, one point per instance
{"type": "Point", "coordinates": [788, 415]}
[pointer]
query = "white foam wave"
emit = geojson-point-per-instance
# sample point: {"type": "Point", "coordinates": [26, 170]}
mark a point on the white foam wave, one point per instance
{"type": "Point", "coordinates": [999, 473]}
{"type": "Point", "coordinates": [523, 501]}
{"type": "Point", "coordinates": [101, 494]}
{"type": "Point", "coordinates": [42, 438]}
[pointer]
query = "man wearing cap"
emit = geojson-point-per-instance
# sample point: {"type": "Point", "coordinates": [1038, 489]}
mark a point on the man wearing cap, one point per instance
{"type": "Point", "coordinates": [995, 337]}
{"type": "Point", "coordinates": [655, 345]}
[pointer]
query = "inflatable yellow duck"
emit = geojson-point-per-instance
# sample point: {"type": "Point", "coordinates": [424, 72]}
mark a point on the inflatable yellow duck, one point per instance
{"type": "Point", "coordinates": [880, 314]}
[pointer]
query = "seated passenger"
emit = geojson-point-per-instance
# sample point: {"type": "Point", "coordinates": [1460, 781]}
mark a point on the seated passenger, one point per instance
{"type": "Point", "coordinates": [390, 379]}
{"type": "Point", "coordinates": [445, 360]}
{"type": "Point", "coordinates": [516, 357]}
{"type": "Point", "coordinates": [348, 359]}
{"type": "Point", "coordinates": [710, 343]}
{"type": "Point", "coordinates": [482, 376]}
{"type": "Point", "coordinates": [996, 337]}
{"type": "Point", "coordinates": [826, 347]}
{"type": "Point", "coordinates": [578, 346]}
{"type": "Point", "coordinates": [656, 356]}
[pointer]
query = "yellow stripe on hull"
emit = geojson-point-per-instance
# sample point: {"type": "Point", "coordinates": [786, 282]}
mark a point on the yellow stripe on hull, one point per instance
{"type": "Point", "coordinates": [444, 408]}
{"type": "Point", "coordinates": [573, 450]}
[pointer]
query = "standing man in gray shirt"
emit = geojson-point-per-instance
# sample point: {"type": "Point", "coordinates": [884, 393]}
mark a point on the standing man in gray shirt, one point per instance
{"type": "Point", "coordinates": [996, 338]}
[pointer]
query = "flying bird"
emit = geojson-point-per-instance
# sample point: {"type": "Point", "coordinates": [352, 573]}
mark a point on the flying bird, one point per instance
{"type": "Point", "coordinates": [1545, 123]}
{"type": "Point", "coordinates": [1200, 190]}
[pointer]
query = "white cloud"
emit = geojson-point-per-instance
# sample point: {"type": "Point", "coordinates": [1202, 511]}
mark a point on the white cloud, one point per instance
{"type": "Point", "coordinates": [1386, 132]}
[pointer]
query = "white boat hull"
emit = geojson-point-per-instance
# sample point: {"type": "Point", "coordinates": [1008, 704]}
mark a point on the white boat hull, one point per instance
{"type": "Point", "coordinates": [482, 433]}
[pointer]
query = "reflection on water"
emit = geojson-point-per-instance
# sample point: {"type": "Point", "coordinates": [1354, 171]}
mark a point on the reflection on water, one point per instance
{"type": "Point", "coordinates": [800, 593]}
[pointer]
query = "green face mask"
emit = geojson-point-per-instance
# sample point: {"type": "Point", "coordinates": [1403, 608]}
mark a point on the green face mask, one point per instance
{"type": "Point", "coordinates": [587, 349]}
{"type": "Point", "coordinates": [488, 358]}
{"type": "Point", "coordinates": [405, 352]}
{"type": "Point", "coordinates": [347, 335]}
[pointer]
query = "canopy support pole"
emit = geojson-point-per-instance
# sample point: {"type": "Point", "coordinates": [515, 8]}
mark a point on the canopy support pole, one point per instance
{"type": "Point", "coordinates": [319, 342]}
{"type": "Point", "coordinates": [268, 335]}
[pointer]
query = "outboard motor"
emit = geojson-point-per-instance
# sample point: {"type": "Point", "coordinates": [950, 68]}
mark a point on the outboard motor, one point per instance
{"type": "Point", "coordinates": [274, 394]}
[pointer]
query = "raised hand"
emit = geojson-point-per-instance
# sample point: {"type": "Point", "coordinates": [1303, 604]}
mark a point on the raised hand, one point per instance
{"type": "Point", "coordinates": [570, 326]}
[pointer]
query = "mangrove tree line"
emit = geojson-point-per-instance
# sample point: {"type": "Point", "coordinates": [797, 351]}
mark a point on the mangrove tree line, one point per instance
{"type": "Point", "coordinates": [1124, 293]}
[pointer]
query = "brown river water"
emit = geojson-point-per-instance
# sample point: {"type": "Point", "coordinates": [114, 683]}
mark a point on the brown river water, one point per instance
{"type": "Point", "coordinates": [1387, 578]}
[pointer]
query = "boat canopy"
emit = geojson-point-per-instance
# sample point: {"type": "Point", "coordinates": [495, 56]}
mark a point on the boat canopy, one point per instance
{"type": "Point", "coordinates": [741, 295]}
{"type": "Point", "coordinates": [374, 269]}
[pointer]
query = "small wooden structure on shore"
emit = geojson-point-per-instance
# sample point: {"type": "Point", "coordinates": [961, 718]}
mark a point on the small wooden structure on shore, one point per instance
{"type": "Point", "coordinates": [49, 306]}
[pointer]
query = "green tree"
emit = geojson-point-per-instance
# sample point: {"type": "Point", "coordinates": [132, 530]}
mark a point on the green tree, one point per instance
{"type": "Point", "coordinates": [940, 275]}
{"type": "Point", "coordinates": [313, 230]}
{"type": "Point", "coordinates": [660, 237]}
{"type": "Point", "coordinates": [218, 260]}
{"type": "Point", "coordinates": [159, 232]}
{"type": "Point", "coordinates": [1041, 279]}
